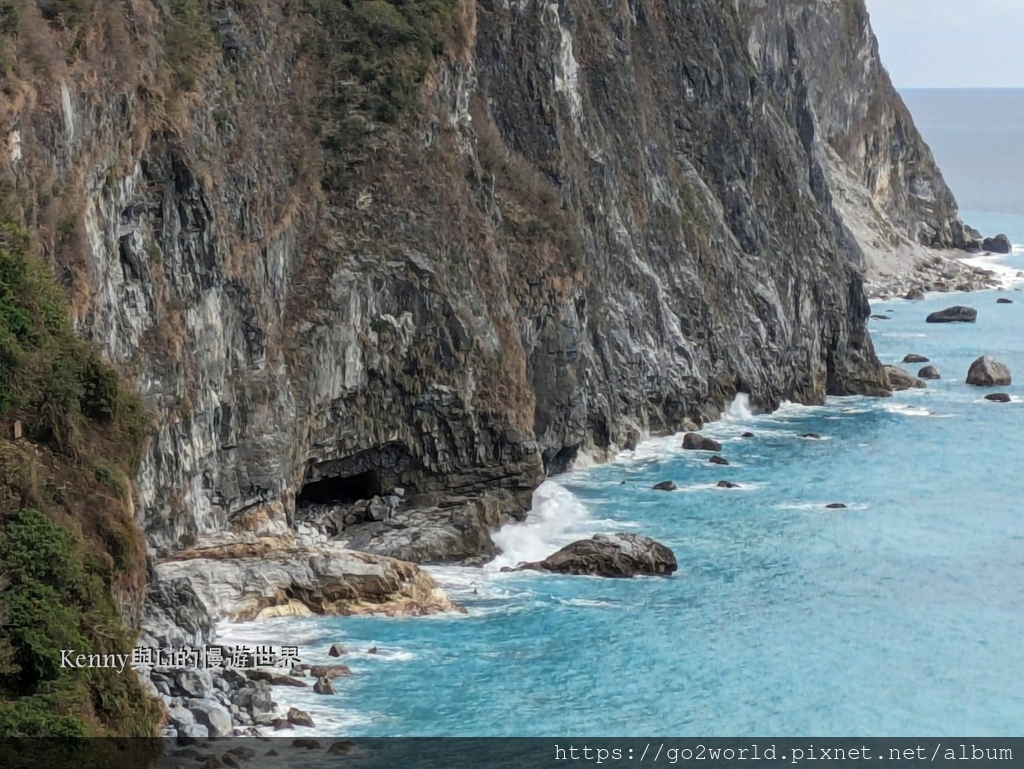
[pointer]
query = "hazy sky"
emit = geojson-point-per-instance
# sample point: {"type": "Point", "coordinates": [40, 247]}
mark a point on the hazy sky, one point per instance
{"type": "Point", "coordinates": [951, 43]}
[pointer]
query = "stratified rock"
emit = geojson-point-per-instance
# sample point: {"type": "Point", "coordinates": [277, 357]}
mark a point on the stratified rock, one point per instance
{"type": "Point", "coordinates": [914, 358]}
{"type": "Point", "coordinates": [610, 555]}
{"type": "Point", "coordinates": [336, 650]}
{"type": "Point", "coordinates": [239, 581]}
{"type": "Point", "coordinates": [300, 718]}
{"type": "Point", "coordinates": [1004, 300]}
{"type": "Point", "coordinates": [665, 486]}
{"type": "Point", "coordinates": [323, 686]}
{"type": "Point", "coordinates": [903, 380]}
{"type": "Point", "coordinates": [929, 372]}
{"type": "Point", "coordinates": [717, 460]}
{"type": "Point", "coordinates": [1000, 244]}
{"type": "Point", "coordinates": [986, 371]}
{"type": "Point", "coordinates": [998, 397]}
{"type": "Point", "coordinates": [956, 314]}
{"type": "Point", "coordinates": [698, 442]}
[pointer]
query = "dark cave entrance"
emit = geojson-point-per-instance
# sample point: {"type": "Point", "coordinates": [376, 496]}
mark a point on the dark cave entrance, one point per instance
{"type": "Point", "coordinates": [339, 490]}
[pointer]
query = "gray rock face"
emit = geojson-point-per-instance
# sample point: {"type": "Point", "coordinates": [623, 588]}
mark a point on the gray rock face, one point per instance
{"type": "Point", "coordinates": [175, 616]}
{"type": "Point", "coordinates": [670, 238]}
{"type": "Point", "coordinates": [929, 372]}
{"type": "Point", "coordinates": [698, 442]}
{"type": "Point", "coordinates": [986, 371]}
{"type": "Point", "coordinates": [616, 555]}
{"type": "Point", "coordinates": [903, 380]}
{"type": "Point", "coordinates": [956, 314]}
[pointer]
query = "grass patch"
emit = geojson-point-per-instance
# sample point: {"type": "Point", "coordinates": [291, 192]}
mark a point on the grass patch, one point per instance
{"type": "Point", "coordinates": [372, 56]}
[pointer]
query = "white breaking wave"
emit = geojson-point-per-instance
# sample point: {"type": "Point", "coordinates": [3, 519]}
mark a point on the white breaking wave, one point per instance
{"type": "Point", "coordinates": [557, 518]}
{"type": "Point", "coordinates": [739, 408]}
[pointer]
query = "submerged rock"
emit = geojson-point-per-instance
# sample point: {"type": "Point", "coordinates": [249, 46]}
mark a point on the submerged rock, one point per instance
{"type": "Point", "coordinates": [1004, 300]}
{"type": "Point", "coordinates": [986, 371]}
{"type": "Point", "coordinates": [727, 485]}
{"type": "Point", "coordinates": [836, 506]}
{"type": "Point", "coordinates": [610, 555]}
{"type": "Point", "coordinates": [300, 718]}
{"type": "Point", "coordinates": [746, 435]}
{"type": "Point", "coordinates": [998, 397]}
{"type": "Point", "coordinates": [698, 442]}
{"type": "Point", "coordinates": [665, 486]}
{"type": "Point", "coordinates": [717, 460]}
{"type": "Point", "coordinates": [811, 436]}
{"type": "Point", "coordinates": [957, 314]}
{"type": "Point", "coordinates": [929, 372]}
{"type": "Point", "coordinates": [903, 380]}
{"type": "Point", "coordinates": [330, 671]}
{"type": "Point", "coordinates": [323, 686]}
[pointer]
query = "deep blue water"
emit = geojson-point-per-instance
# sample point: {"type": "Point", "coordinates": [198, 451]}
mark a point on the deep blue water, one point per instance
{"type": "Point", "coordinates": [902, 614]}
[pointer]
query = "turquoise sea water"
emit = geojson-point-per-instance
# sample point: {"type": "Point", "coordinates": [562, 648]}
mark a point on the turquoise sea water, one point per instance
{"type": "Point", "coordinates": [901, 614]}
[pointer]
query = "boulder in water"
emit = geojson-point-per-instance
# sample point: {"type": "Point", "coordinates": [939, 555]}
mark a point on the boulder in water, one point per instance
{"type": "Point", "coordinates": [610, 555]}
{"type": "Point", "coordinates": [986, 371]}
{"type": "Point", "coordinates": [747, 435]}
{"type": "Point", "coordinates": [665, 486]}
{"type": "Point", "coordinates": [914, 358]}
{"type": "Point", "coordinates": [836, 506]}
{"type": "Point", "coordinates": [336, 650]}
{"type": "Point", "coordinates": [697, 442]}
{"type": "Point", "coordinates": [903, 380]}
{"type": "Point", "coordinates": [811, 436]}
{"type": "Point", "coordinates": [914, 294]}
{"type": "Point", "coordinates": [298, 717]}
{"type": "Point", "coordinates": [323, 686]}
{"type": "Point", "coordinates": [1000, 244]}
{"type": "Point", "coordinates": [956, 314]}
{"type": "Point", "coordinates": [1004, 300]}
{"type": "Point", "coordinates": [929, 372]}
{"type": "Point", "coordinates": [998, 397]}
{"type": "Point", "coordinates": [727, 485]}
{"type": "Point", "coordinates": [717, 460]}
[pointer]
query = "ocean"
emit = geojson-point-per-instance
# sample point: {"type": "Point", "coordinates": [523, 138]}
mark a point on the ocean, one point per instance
{"type": "Point", "coordinates": [901, 614]}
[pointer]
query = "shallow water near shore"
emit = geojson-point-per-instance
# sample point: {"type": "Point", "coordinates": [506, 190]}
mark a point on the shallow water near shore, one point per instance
{"type": "Point", "coordinates": [901, 614]}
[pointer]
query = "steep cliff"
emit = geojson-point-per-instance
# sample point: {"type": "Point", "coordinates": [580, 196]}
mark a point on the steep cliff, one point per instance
{"type": "Point", "coordinates": [346, 247]}
{"type": "Point", "coordinates": [819, 58]}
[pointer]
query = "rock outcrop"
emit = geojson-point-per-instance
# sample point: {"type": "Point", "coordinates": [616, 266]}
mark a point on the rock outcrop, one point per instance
{"type": "Point", "coordinates": [986, 371]}
{"type": "Point", "coordinates": [1000, 244]}
{"type": "Point", "coordinates": [903, 380]}
{"type": "Point", "coordinates": [615, 555]}
{"type": "Point", "coordinates": [250, 581]}
{"type": "Point", "coordinates": [955, 314]}
{"type": "Point", "coordinates": [698, 442]}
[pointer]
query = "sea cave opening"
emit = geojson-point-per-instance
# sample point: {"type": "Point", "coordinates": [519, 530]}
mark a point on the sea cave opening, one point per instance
{"type": "Point", "coordinates": [339, 490]}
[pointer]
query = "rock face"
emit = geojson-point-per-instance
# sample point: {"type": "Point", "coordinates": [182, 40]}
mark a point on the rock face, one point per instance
{"type": "Point", "coordinates": [903, 380]}
{"type": "Point", "coordinates": [698, 442]}
{"type": "Point", "coordinates": [247, 582]}
{"type": "Point", "coordinates": [988, 372]}
{"type": "Point", "coordinates": [615, 555]}
{"type": "Point", "coordinates": [956, 314]}
{"type": "Point", "coordinates": [604, 219]}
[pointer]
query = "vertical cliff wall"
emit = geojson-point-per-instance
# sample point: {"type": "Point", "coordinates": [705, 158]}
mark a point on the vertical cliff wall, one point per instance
{"type": "Point", "coordinates": [446, 246]}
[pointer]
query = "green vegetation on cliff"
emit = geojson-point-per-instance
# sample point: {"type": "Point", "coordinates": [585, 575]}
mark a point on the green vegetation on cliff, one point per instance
{"type": "Point", "coordinates": [71, 558]}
